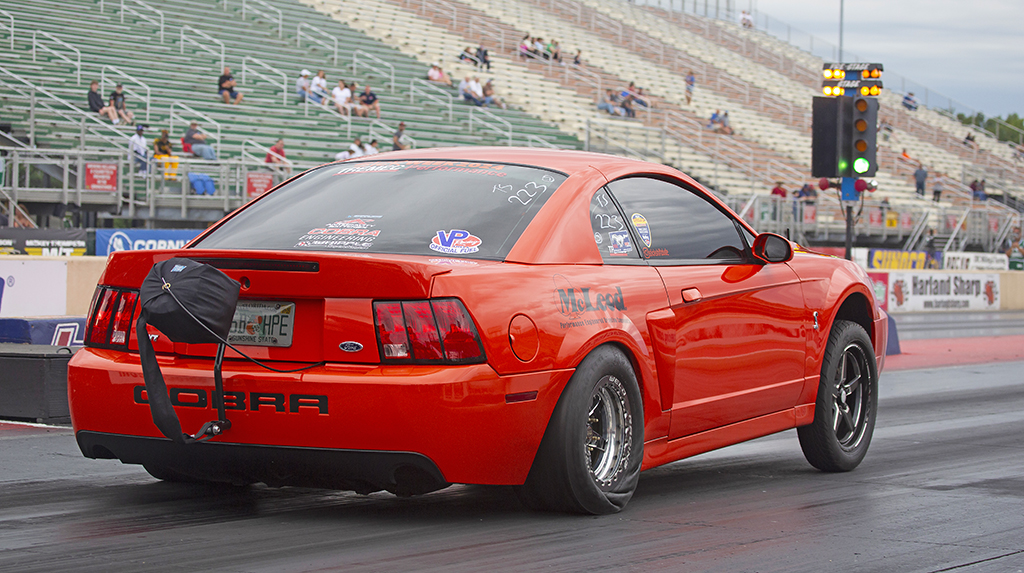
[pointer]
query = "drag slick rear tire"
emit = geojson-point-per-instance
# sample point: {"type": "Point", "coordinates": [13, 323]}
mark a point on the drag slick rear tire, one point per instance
{"type": "Point", "coordinates": [847, 403]}
{"type": "Point", "coordinates": [589, 459]}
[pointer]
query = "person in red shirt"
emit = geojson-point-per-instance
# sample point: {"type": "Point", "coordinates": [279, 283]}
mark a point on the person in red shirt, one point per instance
{"type": "Point", "coordinates": [276, 156]}
{"type": "Point", "coordinates": [779, 190]}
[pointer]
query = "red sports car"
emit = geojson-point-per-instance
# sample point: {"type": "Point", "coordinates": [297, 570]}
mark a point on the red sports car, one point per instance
{"type": "Point", "coordinates": [552, 320]}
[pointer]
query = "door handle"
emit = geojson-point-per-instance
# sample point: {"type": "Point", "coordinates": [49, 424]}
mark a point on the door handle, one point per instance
{"type": "Point", "coordinates": [691, 295]}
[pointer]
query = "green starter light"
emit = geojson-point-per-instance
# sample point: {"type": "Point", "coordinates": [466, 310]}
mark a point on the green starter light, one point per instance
{"type": "Point", "coordinates": [860, 165]}
{"type": "Point", "coordinates": [842, 165]}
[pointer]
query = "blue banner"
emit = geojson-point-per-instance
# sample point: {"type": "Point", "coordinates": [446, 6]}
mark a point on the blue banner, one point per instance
{"type": "Point", "coordinates": [113, 240]}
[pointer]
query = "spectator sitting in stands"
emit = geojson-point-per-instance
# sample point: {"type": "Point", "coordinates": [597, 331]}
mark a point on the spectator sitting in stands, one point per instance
{"type": "Point", "coordinates": [318, 85]}
{"type": "Point", "coordinates": [746, 20]}
{"type": "Point", "coordinates": [726, 125]}
{"type": "Point", "coordinates": [195, 142]}
{"type": "Point", "coordinates": [226, 87]}
{"type": "Point", "coordinates": [483, 59]}
{"type": "Point", "coordinates": [467, 55]}
{"type": "Point", "coordinates": [577, 60]}
{"type": "Point", "coordinates": [490, 97]}
{"type": "Point", "coordinates": [276, 157]}
{"type": "Point", "coordinates": [626, 102]}
{"type": "Point", "coordinates": [353, 151]}
{"type": "Point", "coordinates": [163, 150]}
{"type": "Point", "coordinates": [779, 190]}
{"type": "Point", "coordinates": [117, 102]}
{"type": "Point", "coordinates": [909, 102]}
{"type": "Point", "coordinates": [610, 104]}
{"type": "Point", "coordinates": [691, 82]}
{"type": "Point", "coordinates": [96, 103]}
{"type": "Point", "coordinates": [905, 155]}
{"type": "Point", "coordinates": [368, 100]}
{"type": "Point", "coordinates": [640, 99]}
{"type": "Point", "coordinates": [467, 92]}
{"type": "Point", "coordinates": [304, 89]}
{"type": "Point", "coordinates": [371, 148]}
{"type": "Point", "coordinates": [554, 50]}
{"type": "Point", "coordinates": [713, 121]}
{"type": "Point", "coordinates": [140, 151]}
{"type": "Point", "coordinates": [398, 140]}
{"type": "Point", "coordinates": [437, 75]}
{"type": "Point", "coordinates": [525, 46]}
{"type": "Point", "coordinates": [538, 48]}
{"type": "Point", "coordinates": [969, 141]}
{"type": "Point", "coordinates": [342, 96]}
{"type": "Point", "coordinates": [808, 194]}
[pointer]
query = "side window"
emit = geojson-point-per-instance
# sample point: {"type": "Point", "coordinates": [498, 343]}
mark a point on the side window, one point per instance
{"type": "Point", "coordinates": [671, 222]}
{"type": "Point", "coordinates": [610, 232]}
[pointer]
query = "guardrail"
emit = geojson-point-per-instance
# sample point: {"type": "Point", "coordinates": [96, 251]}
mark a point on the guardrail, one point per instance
{"type": "Point", "coordinates": [145, 17]}
{"type": "Point", "coordinates": [493, 125]}
{"type": "Point", "coordinates": [432, 93]}
{"type": "Point", "coordinates": [77, 62]}
{"type": "Point", "coordinates": [246, 7]}
{"type": "Point", "coordinates": [283, 84]}
{"type": "Point", "coordinates": [298, 38]}
{"type": "Point", "coordinates": [172, 113]}
{"type": "Point", "coordinates": [388, 134]}
{"type": "Point", "coordinates": [356, 64]}
{"type": "Point", "coordinates": [8, 27]}
{"type": "Point", "coordinates": [182, 39]}
{"type": "Point", "coordinates": [103, 81]}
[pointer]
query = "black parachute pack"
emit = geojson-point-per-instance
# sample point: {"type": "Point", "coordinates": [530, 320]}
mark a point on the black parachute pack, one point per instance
{"type": "Point", "coordinates": [189, 302]}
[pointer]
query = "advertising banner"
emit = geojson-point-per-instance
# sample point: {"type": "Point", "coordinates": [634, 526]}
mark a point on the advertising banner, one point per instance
{"type": "Point", "coordinates": [33, 287]}
{"type": "Point", "coordinates": [113, 240]}
{"type": "Point", "coordinates": [901, 260]}
{"type": "Point", "coordinates": [880, 285]}
{"type": "Point", "coordinates": [256, 182]}
{"type": "Point", "coordinates": [932, 291]}
{"type": "Point", "coordinates": [101, 176]}
{"type": "Point", "coordinates": [45, 242]}
{"type": "Point", "coordinates": [975, 261]}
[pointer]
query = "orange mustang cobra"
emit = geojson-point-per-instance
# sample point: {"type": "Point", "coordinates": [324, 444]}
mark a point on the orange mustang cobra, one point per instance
{"type": "Point", "coordinates": [557, 321]}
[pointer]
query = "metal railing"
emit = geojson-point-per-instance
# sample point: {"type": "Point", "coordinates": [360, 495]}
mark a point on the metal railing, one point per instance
{"type": "Point", "coordinates": [103, 82]}
{"type": "Point", "coordinates": [71, 164]}
{"type": "Point", "coordinates": [330, 38]}
{"type": "Point", "coordinates": [433, 93]}
{"type": "Point", "coordinates": [495, 124]}
{"type": "Point", "coordinates": [141, 16]}
{"type": "Point", "coordinates": [283, 84]}
{"type": "Point", "coordinates": [247, 7]}
{"type": "Point", "coordinates": [487, 33]}
{"type": "Point", "coordinates": [174, 113]}
{"type": "Point", "coordinates": [8, 27]}
{"type": "Point", "coordinates": [388, 133]}
{"type": "Point", "coordinates": [182, 39]}
{"type": "Point", "coordinates": [247, 155]}
{"type": "Point", "coordinates": [88, 122]}
{"type": "Point", "coordinates": [39, 45]}
{"type": "Point", "coordinates": [330, 108]}
{"type": "Point", "coordinates": [379, 68]}
{"type": "Point", "coordinates": [531, 140]}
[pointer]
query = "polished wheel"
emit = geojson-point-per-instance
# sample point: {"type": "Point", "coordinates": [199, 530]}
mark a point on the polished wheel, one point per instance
{"type": "Point", "coordinates": [844, 413]}
{"type": "Point", "coordinates": [589, 458]}
{"type": "Point", "coordinates": [609, 431]}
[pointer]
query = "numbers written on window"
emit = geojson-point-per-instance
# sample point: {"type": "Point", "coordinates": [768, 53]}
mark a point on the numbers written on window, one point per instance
{"type": "Point", "coordinates": [610, 231]}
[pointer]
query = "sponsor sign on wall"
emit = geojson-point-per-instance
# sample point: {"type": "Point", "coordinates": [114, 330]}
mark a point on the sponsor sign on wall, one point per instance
{"type": "Point", "coordinates": [900, 260]}
{"type": "Point", "coordinates": [975, 261]}
{"type": "Point", "coordinates": [33, 287]}
{"type": "Point", "coordinates": [256, 182]}
{"type": "Point", "coordinates": [880, 286]}
{"type": "Point", "coordinates": [101, 176]}
{"type": "Point", "coordinates": [113, 240]}
{"type": "Point", "coordinates": [936, 291]}
{"type": "Point", "coordinates": [45, 242]}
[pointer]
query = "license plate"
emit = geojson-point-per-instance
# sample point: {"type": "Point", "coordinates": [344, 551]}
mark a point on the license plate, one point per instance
{"type": "Point", "coordinates": [262, 323]}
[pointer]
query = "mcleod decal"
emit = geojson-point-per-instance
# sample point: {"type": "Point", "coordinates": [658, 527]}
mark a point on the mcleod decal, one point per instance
{"type": "Point", "coordinates": [642, 228]}
{"type": "Point", "coordinates": [574, 302]}
{"type": "Point", "coordinates": [455, 242]}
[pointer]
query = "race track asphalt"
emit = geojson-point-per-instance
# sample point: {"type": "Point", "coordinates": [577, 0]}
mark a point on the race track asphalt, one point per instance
{"type": "Point", "coordinates": [941, 489]}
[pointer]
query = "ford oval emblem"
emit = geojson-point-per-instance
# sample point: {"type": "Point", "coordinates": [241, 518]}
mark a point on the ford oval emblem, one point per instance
{"type": "Point", "coordinates": [350, 346]}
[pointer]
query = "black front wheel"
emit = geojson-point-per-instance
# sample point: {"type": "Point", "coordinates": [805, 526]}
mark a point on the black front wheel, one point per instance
{"type": "Point", "coordinates": [589, 459]}
{"type": "Point", "coordinates": [844, 414]}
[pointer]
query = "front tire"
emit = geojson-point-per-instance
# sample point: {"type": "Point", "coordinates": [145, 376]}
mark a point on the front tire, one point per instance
{"type": "Point", "coordinates": [847, 403]}
{"type": "Point", "coordinates": [589, 459]}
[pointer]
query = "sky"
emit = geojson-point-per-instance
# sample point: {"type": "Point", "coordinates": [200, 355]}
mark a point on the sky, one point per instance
{"type": "Point", "coordinates": [971, 51]}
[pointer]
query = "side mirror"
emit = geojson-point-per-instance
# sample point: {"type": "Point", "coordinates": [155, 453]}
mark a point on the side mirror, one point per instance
{"type": "Point", "coordinates": [772, 248]}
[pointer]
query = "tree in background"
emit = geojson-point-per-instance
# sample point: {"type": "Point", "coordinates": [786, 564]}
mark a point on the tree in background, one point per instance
{"type": "Point", "coordinates": [996, 125]}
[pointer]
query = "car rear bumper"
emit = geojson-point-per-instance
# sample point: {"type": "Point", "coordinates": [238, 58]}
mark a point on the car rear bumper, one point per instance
{"type": "Point", "coordinates": [457, 424]}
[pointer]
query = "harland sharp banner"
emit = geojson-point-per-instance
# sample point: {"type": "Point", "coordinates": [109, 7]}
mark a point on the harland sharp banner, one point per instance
{"type": "Point", "coordinates": [928, 291]}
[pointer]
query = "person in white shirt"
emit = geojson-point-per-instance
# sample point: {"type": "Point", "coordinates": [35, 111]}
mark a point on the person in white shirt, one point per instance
{"type": "Point", "coordinates": [353, 151]}
{"type": "Point", "coordinates": [371, 148]}
{"type": "Point", "coordinates": [342, 96]}
{"type": "Point", "coordinates": [319, 86]}
{"type": "Point", "coordinates": [140, 150]}
{"type": "Point", "coordinates": [477, 89]}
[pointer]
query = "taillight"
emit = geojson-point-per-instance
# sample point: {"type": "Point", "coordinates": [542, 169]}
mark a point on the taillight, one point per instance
{"type": "Point", "coordinates": [110, 319]}
{"type": "Point", "coordinates": [437, 331]}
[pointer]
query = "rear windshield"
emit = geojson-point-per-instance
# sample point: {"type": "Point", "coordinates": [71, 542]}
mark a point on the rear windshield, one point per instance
{"type": "Point", "coordinates": [423, 207]}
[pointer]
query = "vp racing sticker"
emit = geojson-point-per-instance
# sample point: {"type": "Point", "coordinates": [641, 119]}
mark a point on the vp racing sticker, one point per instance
{"type": "Point", "coordinates": [642, 228]}
{"type": "Point", "coordinates": [455, 242]}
